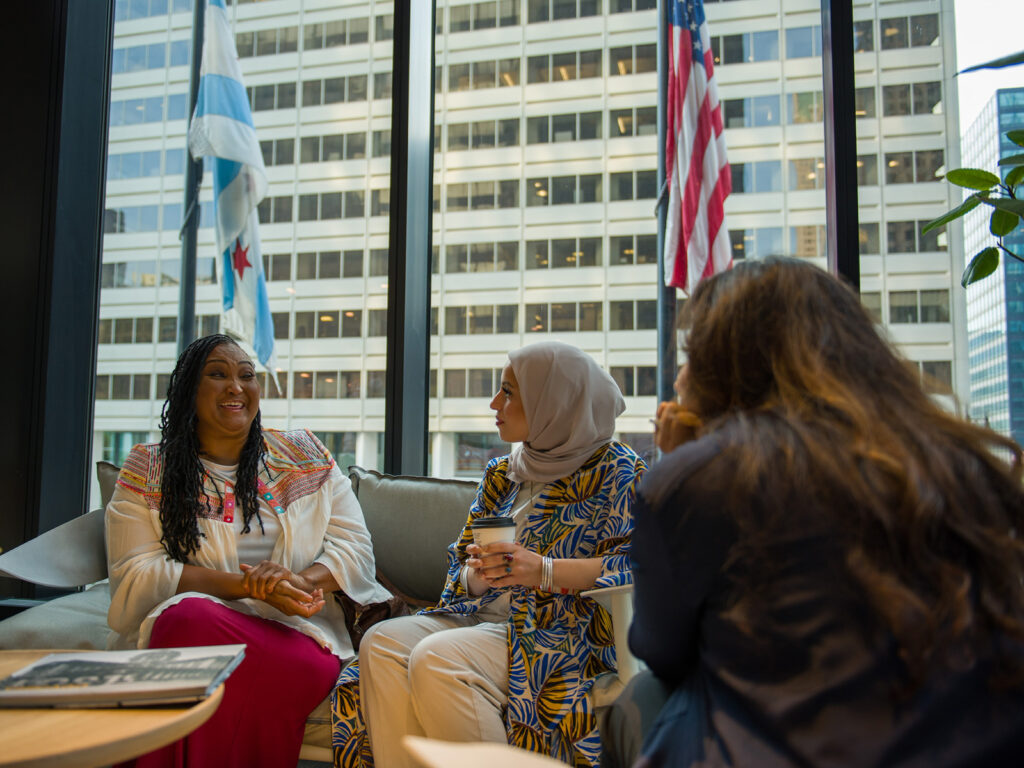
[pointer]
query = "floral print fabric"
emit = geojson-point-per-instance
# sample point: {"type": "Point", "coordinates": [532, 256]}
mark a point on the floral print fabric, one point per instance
{"type": "Point", "coordinates": [558, 643]}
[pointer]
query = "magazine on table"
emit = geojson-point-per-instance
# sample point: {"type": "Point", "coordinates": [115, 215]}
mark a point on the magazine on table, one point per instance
{"type": "Point", "coordinates": [150, 677]}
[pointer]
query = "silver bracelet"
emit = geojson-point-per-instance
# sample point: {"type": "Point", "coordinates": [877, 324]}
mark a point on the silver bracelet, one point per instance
{"type": "Point", "coordinates": [547, 572]}
{"type": "Point", "coordinates": [464, 579]}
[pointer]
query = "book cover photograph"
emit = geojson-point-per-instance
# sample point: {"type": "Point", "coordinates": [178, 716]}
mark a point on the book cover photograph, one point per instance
{"type": "Point", "coordinates": [149, 677]}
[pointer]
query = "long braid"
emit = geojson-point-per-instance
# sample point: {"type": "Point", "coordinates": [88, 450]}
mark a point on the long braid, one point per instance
{"type": "Point", "coordinates": [248, 469]}
{"type": "Point", "coordinates": [181, 483]}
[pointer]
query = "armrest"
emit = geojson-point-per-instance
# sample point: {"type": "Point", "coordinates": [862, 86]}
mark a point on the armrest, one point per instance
{"type": "Point", "coordinates": [71, 555]}
{"type": "Point", "coordinates": [618, 601]}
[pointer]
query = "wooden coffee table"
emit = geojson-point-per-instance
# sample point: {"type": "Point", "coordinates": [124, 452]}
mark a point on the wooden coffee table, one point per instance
{"type": "Point", "coordinates": [85, 738]}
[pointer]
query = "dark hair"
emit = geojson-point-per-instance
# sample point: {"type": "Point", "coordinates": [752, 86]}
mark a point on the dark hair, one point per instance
{"type": "Point", "coordinates": [788, 367]}
{"type": "Point", "coordinates": [181, 484]}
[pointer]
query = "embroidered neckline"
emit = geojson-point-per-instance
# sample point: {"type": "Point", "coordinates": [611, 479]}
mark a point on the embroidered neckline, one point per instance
{"type": "Point", "coordinates": [265, 494]}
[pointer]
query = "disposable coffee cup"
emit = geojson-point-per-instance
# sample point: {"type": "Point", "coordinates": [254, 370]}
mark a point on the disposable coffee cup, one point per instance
{"type": "Point", "coordinates": [488, 530]}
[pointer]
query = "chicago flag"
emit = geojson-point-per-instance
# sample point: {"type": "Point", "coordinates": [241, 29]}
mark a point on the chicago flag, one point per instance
{"type": "Point", "coordinates": [222, 127]}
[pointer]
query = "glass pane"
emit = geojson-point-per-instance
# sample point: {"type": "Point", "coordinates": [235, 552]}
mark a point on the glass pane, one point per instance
{"type": "Point", "coordinates": [149, 115]}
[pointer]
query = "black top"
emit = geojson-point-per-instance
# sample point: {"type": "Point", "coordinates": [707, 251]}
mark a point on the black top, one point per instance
{"type": "Point", "coordinates": [791, 675]}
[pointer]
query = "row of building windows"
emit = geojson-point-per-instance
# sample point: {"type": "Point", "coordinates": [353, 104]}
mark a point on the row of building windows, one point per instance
{"type": "Point", "coordinates": [464, 196]}
{"type": "Point", "coordinates": [148, 274]}
{"type": "Point", "coordinates": [138, 58]}
{"type": "Point", "coordinates": [325, 265]}
{"type": "Point", "coordinates": [900, 100]}
{"type": "Point", "coordinates": [463, 257]}
{"type": "Point", "coordinates": [480, 134]}
{"type": "Point", "coordinates": [801, 42]}
{"type": "Point", "coordinates": [753, 177]}
{"type": "Point", "coordinates": [804, 241]}
{"type": "Point", "coordinates": [477, 319]}
{"type": "Point", "coordinates": [461, 18]}
{"type": "Point", "coordinates": [125, 10]}
{"type": "Point", "coordinates": [805, 42]}
{"type": "Point", "coordinates": [130, 386]}
{"type": "Point", "coordinates": [461, 77]}
{"type": "Point", "coordinates": [152, 163]}
{"type": "Point", "coordinates": [468, 257]}
{"type": "Point", "coordinates": [139, 330]}
{"type": "Point", "coordinates": [152, 109]}
{"type": "Point", "coordinates": [909, 306]}
{"type": "Point", "coordinates": [473, 320]}
{"type": "Point", "coordinates": [809, 241]}
{"type": "Point", "coordinates": [151, 218]}
{"type": "Point", "coordinates": [507, 13]}
{"type": "Point", "coordinates": [809, 173]}
{"type": "Point", "coordinates": [330, 34]}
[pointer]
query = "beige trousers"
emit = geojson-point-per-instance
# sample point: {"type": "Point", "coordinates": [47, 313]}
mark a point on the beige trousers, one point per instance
{"type": "Point", "coordinates": [443, 676]}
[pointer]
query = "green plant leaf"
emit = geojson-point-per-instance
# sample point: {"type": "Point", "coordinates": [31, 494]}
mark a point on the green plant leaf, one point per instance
{"type": "Point", "coordinates": [982, 265]}
{"type": "Point", "coordinates": [972, 178]}
{"type": "Point", "coordinates": [969, 204]}
{"type": "Point", "coordinates": [1002, 222]}
{"type": "Point", "coordinates": [1012, 160]}
{"type": "Point", "coordinates": [1015, 177]}
{"type": "Point", "coordinates": [1015, 207]}
{"type": "Point", "coordinates": [1017, 137]}
{"type": "Point", "coordinates": [1004, 61]}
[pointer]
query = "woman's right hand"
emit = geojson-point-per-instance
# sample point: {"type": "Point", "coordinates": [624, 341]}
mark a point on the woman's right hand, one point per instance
{"type": "Point", "coordinates": [292, 601]}
{"type": "Point", "coordinates": [674, 425]}
{"type": "Point", "coordinates": [475, 579]}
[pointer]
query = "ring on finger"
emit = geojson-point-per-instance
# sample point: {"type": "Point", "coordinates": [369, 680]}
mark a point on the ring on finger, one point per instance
{"type": "Point", "coordinates": [508, 569]}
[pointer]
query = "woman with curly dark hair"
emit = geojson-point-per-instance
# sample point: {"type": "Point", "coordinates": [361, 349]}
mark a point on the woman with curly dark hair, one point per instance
{"type": "Point", "coordinates": [828, 567]}
{"type": "Point", "coordinates": [226, 532]}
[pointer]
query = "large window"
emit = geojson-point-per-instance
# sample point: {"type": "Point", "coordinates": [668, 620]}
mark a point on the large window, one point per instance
{"type": "Point", "coordinates": [544, 192]}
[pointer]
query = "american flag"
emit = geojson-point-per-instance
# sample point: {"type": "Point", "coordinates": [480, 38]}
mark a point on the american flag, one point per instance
{"type": "Point", "coordinates": [696, 240]}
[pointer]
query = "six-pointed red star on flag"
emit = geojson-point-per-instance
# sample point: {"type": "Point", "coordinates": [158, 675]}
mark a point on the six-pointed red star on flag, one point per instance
{"type": "Point", "coordinates": [240, 261]}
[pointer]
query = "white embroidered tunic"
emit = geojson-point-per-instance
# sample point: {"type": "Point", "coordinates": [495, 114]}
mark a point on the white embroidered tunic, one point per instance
{"type": "Point", "coordinates": [319, 521]}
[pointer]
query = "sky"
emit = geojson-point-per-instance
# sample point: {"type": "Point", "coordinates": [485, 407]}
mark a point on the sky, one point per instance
{"type": "Point", "coordinates": [986, 30]}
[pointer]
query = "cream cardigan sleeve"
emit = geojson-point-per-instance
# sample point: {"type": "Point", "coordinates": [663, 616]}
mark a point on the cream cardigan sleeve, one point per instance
{"type": "Point", "coordinates": [347, 549]}
{"type": "Point", "coordinates": [142, 575]}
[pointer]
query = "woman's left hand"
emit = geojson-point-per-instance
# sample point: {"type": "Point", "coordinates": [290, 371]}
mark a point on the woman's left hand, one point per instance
{"type": "Point", "coordinates": [292, 601]}
{"type": "Point", "coordinates": [261, 579]}
{"type": "Point", "coordinates": [504, 564]}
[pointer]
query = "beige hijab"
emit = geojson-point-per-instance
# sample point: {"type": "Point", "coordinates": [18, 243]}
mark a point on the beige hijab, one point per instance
{"type": "Point", "coordinates": [570, 404]}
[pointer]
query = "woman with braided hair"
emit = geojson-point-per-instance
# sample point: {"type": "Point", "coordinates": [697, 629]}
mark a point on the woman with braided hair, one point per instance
{"type": "Point", "coordinates": [226, 532]}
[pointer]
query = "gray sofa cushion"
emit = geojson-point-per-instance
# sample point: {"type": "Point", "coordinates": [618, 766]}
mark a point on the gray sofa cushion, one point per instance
{"type": "Point", "coordinates": [106, 476]}
{"type": "Point", "coordinates": [70, 555]}
{"type": "Point", "coordinates": [73, 621]}
{"type": "Point", "coordinates": [412, 520]}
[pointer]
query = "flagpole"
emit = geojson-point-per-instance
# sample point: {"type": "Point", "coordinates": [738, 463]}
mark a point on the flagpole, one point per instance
{"type": "Point", "coordinates": [193, 180]}
{"type": "Point", "coordinates": [666, 370]}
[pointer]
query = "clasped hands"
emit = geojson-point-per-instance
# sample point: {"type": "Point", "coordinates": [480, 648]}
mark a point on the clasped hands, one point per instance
{"type": "Point", "coordinates": [504, 564]}
{"type": "Point", "coordinates": [291, 593]}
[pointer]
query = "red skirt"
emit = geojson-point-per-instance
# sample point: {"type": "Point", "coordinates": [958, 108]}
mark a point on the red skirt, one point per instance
{"type": "Point", "coordinates": [262, 717]}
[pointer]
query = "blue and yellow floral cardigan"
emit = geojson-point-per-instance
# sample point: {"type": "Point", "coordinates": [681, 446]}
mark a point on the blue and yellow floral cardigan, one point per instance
{"type": "Point", "coordinates": [558, 644]}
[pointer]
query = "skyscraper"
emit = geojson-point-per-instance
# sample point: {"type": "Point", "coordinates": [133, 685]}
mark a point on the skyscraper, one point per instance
{"type": "Point", "coordinates": [995, 305]}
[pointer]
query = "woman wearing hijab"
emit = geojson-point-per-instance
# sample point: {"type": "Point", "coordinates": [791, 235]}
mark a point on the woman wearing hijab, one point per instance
{"type": "Point", "coordinates": [511, 651]}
